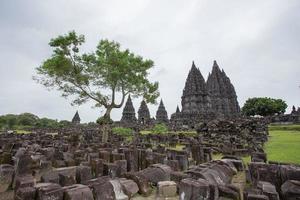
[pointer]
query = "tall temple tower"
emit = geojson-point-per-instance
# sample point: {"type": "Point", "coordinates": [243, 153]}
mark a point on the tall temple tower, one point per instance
{"type": "Point", "coordinates": [195, 98]}
{"type": "Point", "coordinates": [222, 93]}
{"type": "Point", "coordinates": [204, 101]}
{"type": "Point", "coordinates": [128, 114]}
{"type": "Point", "coordinates": [161, 113]}
{"type": "Point", "coordinates": [76, 119]}
{"type": "Point", "coordinates": [144, 114]}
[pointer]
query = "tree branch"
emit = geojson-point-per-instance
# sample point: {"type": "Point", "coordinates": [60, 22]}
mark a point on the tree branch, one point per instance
{"type": "Point", "coordinates": [123, 98]}
{"type": "Point", "coordinates": [90, 95]}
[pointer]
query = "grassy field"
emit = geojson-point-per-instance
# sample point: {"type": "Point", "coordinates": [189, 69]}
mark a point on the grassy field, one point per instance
{"type": "Point", "coordinates": [284, 143]}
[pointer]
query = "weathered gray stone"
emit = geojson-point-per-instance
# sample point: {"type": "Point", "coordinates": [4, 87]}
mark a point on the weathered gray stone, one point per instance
{"type": "Point", "coordinates": [121, 167]}
{"type": "Point", "coordinates": [47, 191]}
{"type": "Point", "coordinates": [166, 189]}
{"type": "Point", "coordinates": [67, 175]}
{"type": "Point", "coordinates": [24, 181]}
{"type": "Point", "coordinates": [129, 187]}
{"type": "Point", "coordinates": [6, 176]}
{"type": "Point", "coordinates": [50, 177]}
{"type": "Point", "coordinates": [229, 192]}
{"type": "Point", "coordinates": [191, 189]}
{"type": "Point", "coordinates": [268, 189]}
{"type": "Point", "coordinates": [97, 167]}
{"type": "Point", "coordinates": [238, 164]}
{"type": "Point", "coordinates": [83, 174]}
{"type": "Point", "coordinates": [66, 179]}
{"type": "Point", "coordinates": [78, 192]}
{"type": "Point", "coordinates": [141, 181]}
{"type": "Point", "coordinates": [101, 188]}
{"type": "Point", "coordinates": [110, 169]}
{"type": "Point", "coordinates": [290, 190]}
{"type": "Point", "coordinates": [156, 173]}
{"type": "Point", "coordinates": [25, 193]}
{"type": "Point", "coordinates": [257, 197]}
{"type": "Point", "coordinates": [178, 176]}
{"type": "Point", "coordinates": [119, 194]}
{"type": "Point", "coordinates": [23, 165]}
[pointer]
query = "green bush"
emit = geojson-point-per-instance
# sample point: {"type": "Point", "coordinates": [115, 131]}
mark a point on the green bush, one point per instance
{"type": "Point", "coordinates": [122, 131]}
{"type": "Point", "coordinates": [104, 120]}
{"type": "Point", "coordinates": [160, 129]}
{"type": "Point", "coordinates": [264, 106]}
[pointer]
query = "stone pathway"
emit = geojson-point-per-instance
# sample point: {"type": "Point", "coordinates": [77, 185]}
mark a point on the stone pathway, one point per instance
{"type": "Point", "coordinates": [239, 180]}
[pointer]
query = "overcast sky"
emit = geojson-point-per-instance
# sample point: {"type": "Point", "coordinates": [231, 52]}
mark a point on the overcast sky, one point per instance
{"type": "Point", "coordinates": [256, 42]}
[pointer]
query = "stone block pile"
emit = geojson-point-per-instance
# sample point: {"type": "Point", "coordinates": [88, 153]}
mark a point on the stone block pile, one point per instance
{"type": "Point", "coordinates": [68, 166]}
{"type": "Point", "coordinates": [273, 181]}
{"type": "Point", "coordinates": [238, 137]}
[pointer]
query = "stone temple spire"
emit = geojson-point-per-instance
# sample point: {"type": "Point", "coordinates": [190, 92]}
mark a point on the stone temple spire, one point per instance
{"type": "Point", "coordinates": [195, 97]}
{"type": "Point", "coordinates": [222, 93]}
{"type": "Point", "coordinates": [128, 115]}
{"type": "Point", "coordinates": [195, 82]}
{"type": "Point", "coordinates": [76, 118]}
{"type": "Point", "coordinates": [177, 110]}
{"type": "Point", "coordinates": [161, 113]}
{"type": "Point", "coordinates": [293, 110]}
{"type": "Point", "coordinates": [144, 114]}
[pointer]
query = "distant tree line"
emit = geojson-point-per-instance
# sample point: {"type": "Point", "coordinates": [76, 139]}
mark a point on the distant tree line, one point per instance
{"type": "Point", "coordinates": [28, 120]}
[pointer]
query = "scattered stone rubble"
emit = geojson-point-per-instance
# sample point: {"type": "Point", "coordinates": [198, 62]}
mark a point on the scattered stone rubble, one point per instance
{"type": "Point", "coordinates": [66, 166]}
{"type": "Point", "coordinates": [238, 137]}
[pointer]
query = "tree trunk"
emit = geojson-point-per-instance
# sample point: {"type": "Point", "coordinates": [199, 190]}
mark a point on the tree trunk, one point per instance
{"type": "Point", "coordinates": [107, 113]}
{"type": "Point", "coordinates": [105, 129]}
{"type": "Point", "coordinates": [106, 126]}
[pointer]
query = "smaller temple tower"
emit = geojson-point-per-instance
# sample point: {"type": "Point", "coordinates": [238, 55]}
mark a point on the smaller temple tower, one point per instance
{"type": "Point", "coordinates": [161, 114]}
{"type": "Point", "coordinates": [144, 114]}
{"type": "Point", "coordinates": [293, 110]}
{"type": "Point", "coordinates": [76, 119]}
{"type": "Point", "coordinates": [128, 115]}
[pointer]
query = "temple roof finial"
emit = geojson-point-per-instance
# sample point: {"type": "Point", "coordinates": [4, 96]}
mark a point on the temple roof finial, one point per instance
{"type": "Point", "coordinates": [177, 109]}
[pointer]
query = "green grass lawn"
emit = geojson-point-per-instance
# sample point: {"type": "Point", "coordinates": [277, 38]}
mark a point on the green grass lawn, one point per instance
{"type": "Point", "coordinates": [284, 143]}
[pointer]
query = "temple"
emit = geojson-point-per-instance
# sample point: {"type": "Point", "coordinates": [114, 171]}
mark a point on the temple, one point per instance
{"type": "Point", "coordinates": [144, 114]}
{"type": "Point", "coordinates": [222, 93]}
{"type": "Point", "coordinates": [128, 115]}
{"type": "Point", "coordinates": [161, 114]}
{"type": "Point", "coordinates": [76, 119]}
{"type": "Point", "coordinates": [206, 100]}
{"type": "Point", "coordinates": [200, 101]}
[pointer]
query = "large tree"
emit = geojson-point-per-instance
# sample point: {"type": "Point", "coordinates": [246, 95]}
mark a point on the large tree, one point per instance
{"type": "Point", "coordinates": [96, 76]}
{"type": "Point", "coordinates": [264, 106]}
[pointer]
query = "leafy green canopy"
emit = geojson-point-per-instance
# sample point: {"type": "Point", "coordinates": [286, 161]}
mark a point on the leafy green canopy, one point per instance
{"type": "Point", "coordinates": [264, 106]}
{"type": "Point", "coordinates": [91, 76]}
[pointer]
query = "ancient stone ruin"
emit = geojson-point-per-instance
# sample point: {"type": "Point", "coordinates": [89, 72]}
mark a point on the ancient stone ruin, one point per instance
{"type": "Point", "coordinates": [203, 101]}
{"type": "Point", "coordinates": [293, 117]}
{"type": "Point", "coordinates": [144, 117]}
{"type": "Point", "coordinates": [128, 114]}
{"type": "Point", "coordinates": [161, 114]}
{"type": "Point", "coordinates": [76, 119]}
{"type": "Point", "coordinates": [71, 164]}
